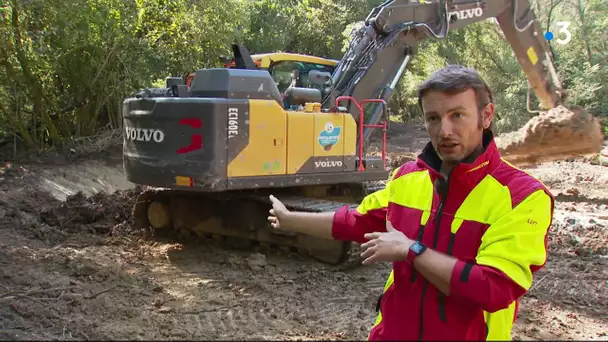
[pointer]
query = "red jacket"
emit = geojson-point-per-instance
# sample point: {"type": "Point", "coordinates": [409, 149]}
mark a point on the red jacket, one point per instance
{"type": "Point", "coordinates": [489, 215]}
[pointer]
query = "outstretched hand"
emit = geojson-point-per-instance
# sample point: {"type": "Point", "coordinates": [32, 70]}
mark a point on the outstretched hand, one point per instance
{"type": "Point", "coordinates": [391, 245]}
{"type": "Point", "coordinates": [278, 212]}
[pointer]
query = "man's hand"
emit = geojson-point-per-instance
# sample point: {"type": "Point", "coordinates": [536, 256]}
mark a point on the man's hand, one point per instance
{"type": "Point", "coordinates": [390, 246]}
{"type": "Point", "coordinates": [278, 212]}
{"type": "Point", "coordinates": [315, 224]}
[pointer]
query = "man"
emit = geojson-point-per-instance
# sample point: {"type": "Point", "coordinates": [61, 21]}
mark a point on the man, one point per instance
{"type": "Point", "coordinates": [464, 229]}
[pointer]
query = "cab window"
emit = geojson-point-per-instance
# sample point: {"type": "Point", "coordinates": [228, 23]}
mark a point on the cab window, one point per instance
{"type": "Point", "coordinates": [285, 73]}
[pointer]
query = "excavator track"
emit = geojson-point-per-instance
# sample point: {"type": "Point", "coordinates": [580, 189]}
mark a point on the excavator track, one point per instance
{"type": "Point", "coordinates": [239, 220]}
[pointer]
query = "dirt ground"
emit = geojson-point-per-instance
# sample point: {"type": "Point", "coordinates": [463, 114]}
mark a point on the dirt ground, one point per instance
{"type": "Point", "coordinates": [71, 266]}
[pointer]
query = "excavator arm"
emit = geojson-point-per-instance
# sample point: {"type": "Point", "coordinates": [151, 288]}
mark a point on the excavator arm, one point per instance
{"type": "Point", "coordinates": [382, 49]}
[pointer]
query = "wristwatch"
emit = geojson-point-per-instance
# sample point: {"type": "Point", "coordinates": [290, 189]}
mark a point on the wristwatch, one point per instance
{"type": "Point", "coordinates": [415, 250]}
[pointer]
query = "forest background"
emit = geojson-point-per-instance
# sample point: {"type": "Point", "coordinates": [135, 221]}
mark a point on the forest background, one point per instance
{"type": "Point", "coordinates": [66, 66]}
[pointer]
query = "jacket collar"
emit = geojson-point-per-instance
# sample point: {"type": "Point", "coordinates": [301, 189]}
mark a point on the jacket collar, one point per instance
{"type": "Point", "coordinates": [469, 171]}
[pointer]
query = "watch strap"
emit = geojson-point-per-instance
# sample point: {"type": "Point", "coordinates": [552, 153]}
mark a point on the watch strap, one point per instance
{"type": "Point", "coordinates": [415, 250]}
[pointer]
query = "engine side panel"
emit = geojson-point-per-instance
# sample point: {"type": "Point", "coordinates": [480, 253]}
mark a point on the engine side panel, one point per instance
{"type": "Point", "coordinates": [334, 142]}
{"type": "Point", "coordinates": [260, 145]}
{"type": "Point", "coordinates": [329, 142]}
{"type": "Point", "coordinates": [300, 146]}
{"type": "Point", "coordinates": [267, 140]}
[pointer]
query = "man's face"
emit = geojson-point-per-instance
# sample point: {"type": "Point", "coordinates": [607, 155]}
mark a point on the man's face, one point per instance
{"type": "Point", "coordinates": [454, 123]}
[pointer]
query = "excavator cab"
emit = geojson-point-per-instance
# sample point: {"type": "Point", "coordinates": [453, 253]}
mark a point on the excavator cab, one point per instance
{"type": "Point", "coordinates": [300, 79]}
{"type": "Point", "coordinates": [286, 69]}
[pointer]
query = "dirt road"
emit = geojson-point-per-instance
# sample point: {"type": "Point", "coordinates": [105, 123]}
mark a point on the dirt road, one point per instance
{"type": "Point", "coordinates": [75, 269]}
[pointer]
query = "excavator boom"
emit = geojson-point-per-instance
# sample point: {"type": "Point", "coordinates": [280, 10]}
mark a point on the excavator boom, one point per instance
{"type": "Point", "coordinates": [381, 49]}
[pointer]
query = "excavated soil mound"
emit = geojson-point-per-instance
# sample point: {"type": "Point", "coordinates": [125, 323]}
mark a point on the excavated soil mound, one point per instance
{"type": "Point", "coordinates": [101, 213]}
{"type": "Point", "coordinates": [555, 134]}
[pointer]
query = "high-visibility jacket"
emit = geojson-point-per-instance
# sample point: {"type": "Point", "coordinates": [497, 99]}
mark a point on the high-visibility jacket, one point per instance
{"type": "Point", "coordinates": [489, 215]}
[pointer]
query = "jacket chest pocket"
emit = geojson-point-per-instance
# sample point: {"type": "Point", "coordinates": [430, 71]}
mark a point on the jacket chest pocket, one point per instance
{"type": "Point", "coordinates": [465, 238]}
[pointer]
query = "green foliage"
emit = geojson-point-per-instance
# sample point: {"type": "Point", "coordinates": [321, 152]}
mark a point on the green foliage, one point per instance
{"type": "Point", "coordinates": [65, 67]}
{"type": "Point", "coordinates": [582, 64]}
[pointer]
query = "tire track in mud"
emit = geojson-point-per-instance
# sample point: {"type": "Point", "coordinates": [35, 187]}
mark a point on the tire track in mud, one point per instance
{"type": "Point", "coordinates": [336, 317]}
{"type": "Point", "coordinates": [320, 304]}
{"type": "Point", "coordinates": [283, 299]}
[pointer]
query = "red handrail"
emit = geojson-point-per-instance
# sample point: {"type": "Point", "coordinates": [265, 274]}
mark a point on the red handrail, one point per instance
{"type": "Point", "coordinates": [363, 125]}
{"type": "Point", "coordinates": [383, 126]}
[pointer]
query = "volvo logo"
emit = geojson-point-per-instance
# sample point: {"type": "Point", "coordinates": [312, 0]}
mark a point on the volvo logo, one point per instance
{"type": "Point", "coordinates": [144, 134]}
{"type": "Point", "coordinates": [331, 163]}
{"type": "Point", "coordinates": [468, 13]}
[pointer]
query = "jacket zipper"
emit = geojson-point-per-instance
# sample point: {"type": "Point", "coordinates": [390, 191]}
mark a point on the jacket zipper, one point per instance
{"type": "Point", "coordinates": [438, 216]}
{"type": "Point", "coordinates": [440, 296]}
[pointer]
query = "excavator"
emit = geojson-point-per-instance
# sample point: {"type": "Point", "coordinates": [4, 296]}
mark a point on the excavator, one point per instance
{"type": "Point", "coordinates": [209, 151]}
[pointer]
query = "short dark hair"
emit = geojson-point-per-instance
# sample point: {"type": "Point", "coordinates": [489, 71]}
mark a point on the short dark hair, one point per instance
{"type": "Point", "coordinates": [454, 79]}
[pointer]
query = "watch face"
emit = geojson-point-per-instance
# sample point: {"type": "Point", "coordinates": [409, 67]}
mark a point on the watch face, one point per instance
{"type": "Point", "coordinates": [417, 248]}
